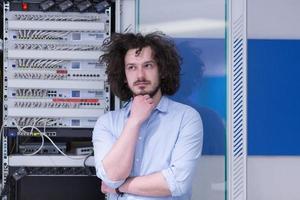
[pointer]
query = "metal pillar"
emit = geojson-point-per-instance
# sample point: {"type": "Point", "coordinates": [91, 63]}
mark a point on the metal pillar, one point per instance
{"type": "Point", "coordinates": [237, 100]}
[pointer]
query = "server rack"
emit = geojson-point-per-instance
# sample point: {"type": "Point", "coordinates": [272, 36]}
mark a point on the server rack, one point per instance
{"type": "Point", "coordinates": [54, 89]}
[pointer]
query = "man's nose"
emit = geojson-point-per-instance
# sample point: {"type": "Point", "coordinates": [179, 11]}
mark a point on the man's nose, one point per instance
{"type": "Point", "coordinates": [141, 73]}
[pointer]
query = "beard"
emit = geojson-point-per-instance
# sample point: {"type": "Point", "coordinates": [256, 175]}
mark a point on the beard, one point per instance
{"type": "Point", "coordinates": [151, 93]}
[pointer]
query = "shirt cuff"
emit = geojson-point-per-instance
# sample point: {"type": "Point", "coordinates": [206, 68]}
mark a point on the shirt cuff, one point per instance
{"type": "Point", "coordinates": [103, 176]}
{"type": "Point", "coordinates": [172, 183]}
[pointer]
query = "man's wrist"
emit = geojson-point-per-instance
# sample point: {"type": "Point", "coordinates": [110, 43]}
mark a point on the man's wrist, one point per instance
{"type": "Point", "coordinates": [119, 192]}
{"type": "Point", "coordinates": [134, 122]}
{"type": "Point", "coordinates": [124, 187]}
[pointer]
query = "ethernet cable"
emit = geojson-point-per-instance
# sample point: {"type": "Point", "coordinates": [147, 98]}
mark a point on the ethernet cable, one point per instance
{"type": "Point", "coordinates": [40, 134]}
{"type": "Point", "coordinates": [58, 149]}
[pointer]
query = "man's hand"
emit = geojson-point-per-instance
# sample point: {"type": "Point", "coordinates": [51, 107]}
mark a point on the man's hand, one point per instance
{"type": "Point", "coordinates": [141, 108]}
{"type": "Point", "coordinates": [105, 189]}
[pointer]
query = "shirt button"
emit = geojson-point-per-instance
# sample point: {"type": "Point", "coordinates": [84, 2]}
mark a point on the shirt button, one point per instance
{"type": "Point", "coordinates": [137, 160]}
{"type": "Point", "coordinates": [140, 138]}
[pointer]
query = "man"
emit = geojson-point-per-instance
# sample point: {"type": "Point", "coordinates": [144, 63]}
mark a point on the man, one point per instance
{"type": "Point", "coordinates": [150, 147]}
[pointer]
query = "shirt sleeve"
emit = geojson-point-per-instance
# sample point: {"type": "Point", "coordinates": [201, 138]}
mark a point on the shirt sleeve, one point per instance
{"type": "Point", "coordinates": [187, 151]}
{"type": "Point", "coordinates": [103, 140]}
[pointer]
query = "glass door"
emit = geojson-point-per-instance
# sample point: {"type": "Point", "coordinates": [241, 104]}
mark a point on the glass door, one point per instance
{"type": "Point", "coordinates": [198, 29]}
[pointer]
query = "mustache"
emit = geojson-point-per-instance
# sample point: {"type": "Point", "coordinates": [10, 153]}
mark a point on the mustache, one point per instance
{"type": "Point", "coordinates": [141, 81]}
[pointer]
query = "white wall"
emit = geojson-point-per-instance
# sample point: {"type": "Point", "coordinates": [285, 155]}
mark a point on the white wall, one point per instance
{"type": "Point", "coordinates": [277, 19]}
{"type": "Point", "coordinates": [273, 178]}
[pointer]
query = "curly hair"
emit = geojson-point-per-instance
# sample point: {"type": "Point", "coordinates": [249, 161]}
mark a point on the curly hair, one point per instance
{"type": "Point", "coordinates": [164, 53]}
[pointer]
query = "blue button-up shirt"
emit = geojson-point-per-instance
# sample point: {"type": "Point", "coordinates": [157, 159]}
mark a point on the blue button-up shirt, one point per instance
{"type": "Point", "coordinates": [170, 142]}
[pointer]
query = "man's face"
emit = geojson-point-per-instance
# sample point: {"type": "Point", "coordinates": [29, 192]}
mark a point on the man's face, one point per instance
{"type": "Point", "coordinates": [141, 72]}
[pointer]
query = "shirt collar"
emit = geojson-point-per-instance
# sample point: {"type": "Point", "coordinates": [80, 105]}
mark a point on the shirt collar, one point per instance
{"type": "Point", "coordinates": [162, 106]}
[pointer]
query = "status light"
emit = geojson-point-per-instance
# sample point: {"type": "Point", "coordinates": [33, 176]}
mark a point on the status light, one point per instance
{"type": "Point", "coordinates": [24, 6]}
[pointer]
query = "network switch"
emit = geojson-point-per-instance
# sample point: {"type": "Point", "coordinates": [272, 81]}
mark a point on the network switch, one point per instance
{"type": "Point", "coordinates": [47, 148]}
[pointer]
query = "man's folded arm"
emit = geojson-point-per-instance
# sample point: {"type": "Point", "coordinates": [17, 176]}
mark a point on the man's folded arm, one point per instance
{"type": "Point", "coordinates": [114, 157]}
{"type": "Point", "coordinates": [103, 141]}
{"type": "Point", "coordinates": [176, 180]}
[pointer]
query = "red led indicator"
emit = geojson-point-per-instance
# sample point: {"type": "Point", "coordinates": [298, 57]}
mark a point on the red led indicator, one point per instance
{"type": "Point", "coordinates": [24, 6]}
{"type": "Point", "coordinates": [62, 71]}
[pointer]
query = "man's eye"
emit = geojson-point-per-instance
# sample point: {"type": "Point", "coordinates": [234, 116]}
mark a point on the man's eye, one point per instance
{"type": "Point", "coordinates": [148, 65]}
{"type": "Point", "coordinates": [130, 67]}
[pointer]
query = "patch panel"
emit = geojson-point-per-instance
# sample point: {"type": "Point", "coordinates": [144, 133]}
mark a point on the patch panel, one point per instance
{"type": "Point", "coordinates": [31, 93]}
{"type": "Point", "coordinates": [63, 84]}
{"type": "Point", "coordinates": [58, 75]}
{"type": "Point", "coordinates": [50, 104]}
{"type": "Point", "coordinates": [58, 21]}
{"type": "Point", "coordinates": [54, 122]}
{"type": "Point", "coordinates": [50, 65]}
{"type": "Point", "coordinates": [54, 16]}
{"type": "Point", "coordinates": [61, 36]}
{"type": "Point", "coordinates": [54, 47]}
{"type": "Point", "coordinates": [53, 54]}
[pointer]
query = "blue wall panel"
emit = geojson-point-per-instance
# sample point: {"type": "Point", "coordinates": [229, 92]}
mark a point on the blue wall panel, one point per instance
{"type": "Point", "coordinates": [273, 97]}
